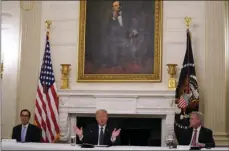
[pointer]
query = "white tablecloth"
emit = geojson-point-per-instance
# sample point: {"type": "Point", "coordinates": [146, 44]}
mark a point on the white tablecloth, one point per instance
{"type": "Point", "coordinates": [51, 146]}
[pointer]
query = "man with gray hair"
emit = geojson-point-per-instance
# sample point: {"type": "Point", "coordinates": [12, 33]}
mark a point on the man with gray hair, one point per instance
{"type": "Point", "coordinates": [197, 135]}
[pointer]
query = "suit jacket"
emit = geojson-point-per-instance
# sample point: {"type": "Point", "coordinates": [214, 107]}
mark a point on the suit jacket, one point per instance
{"type": "Point", "coordinates": [91, 135]}
{"type": "Point", "coordinates": [205, 137]}
{"type": "Point", "coordinates": [126, 21]}
{"type": "Point", "coordinates": [33, 134]}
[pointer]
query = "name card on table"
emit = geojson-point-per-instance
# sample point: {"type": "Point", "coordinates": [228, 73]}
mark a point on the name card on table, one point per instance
{"type": "Point", "coordinates": [9, 140]}
{"type": "Point", "coordinates": [183, 147]}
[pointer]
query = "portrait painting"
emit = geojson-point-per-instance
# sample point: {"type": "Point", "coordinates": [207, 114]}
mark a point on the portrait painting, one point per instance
{"type": "Point", "coordinates": [120, 41]}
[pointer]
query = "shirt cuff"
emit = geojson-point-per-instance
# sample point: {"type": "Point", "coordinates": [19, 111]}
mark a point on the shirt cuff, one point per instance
{"type": "Point", "coordinates": [113, 139]}
{"type": "Point", "coordinates": [81, 138]}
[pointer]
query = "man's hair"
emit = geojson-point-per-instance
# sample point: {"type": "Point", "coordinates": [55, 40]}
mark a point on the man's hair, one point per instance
{"type": "Point", "coordinates": [115, 1]}
{"type": "Point", "coordinates": [101, 110]}
{"type": "Point", "coordinates": [120, 5]}
{"type": "Point", "coordinates": [25, 110]}
{"type": "Point", "coordinates": [200, 116]}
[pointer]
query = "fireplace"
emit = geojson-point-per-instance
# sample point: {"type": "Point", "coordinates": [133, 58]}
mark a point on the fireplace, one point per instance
{"type": "Point", "coordinates": [135, 131]}
{"type": "Point", "coordinates": [154, 105]}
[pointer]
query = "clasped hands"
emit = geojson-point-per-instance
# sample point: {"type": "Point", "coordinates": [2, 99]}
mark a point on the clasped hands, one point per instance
{"type": "Point", "coordinates": [79, 132]}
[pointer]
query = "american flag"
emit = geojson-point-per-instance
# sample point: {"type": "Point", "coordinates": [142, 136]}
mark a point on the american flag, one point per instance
{"type": "Point", "coordinates": [182, 103]}
{"type": "Point", "coordinates": [46, 107]}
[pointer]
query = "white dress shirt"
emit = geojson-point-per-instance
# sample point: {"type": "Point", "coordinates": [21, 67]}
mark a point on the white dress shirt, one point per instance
{"type": "Point", "coordinates": [197, 134]}
{"type": "Point", "coordinates": [104, 127]}
{"type": "Point", "coordinates": [26, 128]}
{"type": "Point", "coordinates": [119, 19]}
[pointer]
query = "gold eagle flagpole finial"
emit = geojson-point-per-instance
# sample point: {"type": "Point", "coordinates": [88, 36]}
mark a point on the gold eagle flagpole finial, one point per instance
{"type": "Point", "coordinates": [48, 24]}
{"type": "Point", "coordinates": [187, 21]}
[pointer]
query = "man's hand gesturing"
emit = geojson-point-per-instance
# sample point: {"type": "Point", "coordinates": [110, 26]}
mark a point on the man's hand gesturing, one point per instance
{"type": "Point", "coordinates": [78, 131]}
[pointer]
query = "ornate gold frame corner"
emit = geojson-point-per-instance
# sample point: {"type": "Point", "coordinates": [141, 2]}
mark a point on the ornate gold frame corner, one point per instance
{"type": "Point", "coordinates": [154, 77]}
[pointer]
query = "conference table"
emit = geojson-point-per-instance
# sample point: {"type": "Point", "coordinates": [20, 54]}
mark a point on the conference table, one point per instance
{"type": "Point", "coordinates": [52, 146]}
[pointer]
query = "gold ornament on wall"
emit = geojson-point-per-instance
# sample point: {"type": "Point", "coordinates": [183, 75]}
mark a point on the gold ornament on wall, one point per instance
{"type": "Point", "coordinates": [48, 24]}
{"type": "Point", "coordinates": [187, 21]}
{"type": "Point", "coordinates": [172, 83]}
{"type": "Point", "coordinates": [65, 70]}
{"type": "Point", "coordinates": [28, 6]}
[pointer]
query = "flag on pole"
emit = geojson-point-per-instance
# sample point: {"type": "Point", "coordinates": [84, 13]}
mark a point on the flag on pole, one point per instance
{"type": "Point", "coordinates": [182, 103]}
{"type": "Point", "coordinates": [187, 91]}
{"type": "Point", "coordinates": [46, 107]}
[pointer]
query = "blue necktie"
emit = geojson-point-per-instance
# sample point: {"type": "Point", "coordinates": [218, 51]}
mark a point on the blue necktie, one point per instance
{"type": "Point", "coordinates": [23, 132]}
{"type": "Point", "coordinates": [101, 136]}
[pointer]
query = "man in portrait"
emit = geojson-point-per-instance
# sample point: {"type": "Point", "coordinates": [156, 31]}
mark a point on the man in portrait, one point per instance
{"type": "Point", "coordinates": [122, 37]}
{"type": "Point", "coordinates": [126, 34]}
{"type": "Point", "coordinates": [116, 32]}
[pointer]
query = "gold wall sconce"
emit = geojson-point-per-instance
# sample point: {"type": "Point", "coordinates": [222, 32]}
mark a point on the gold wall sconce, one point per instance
{"type": "Point", "coordinates": [172, 83]}
{"type": "Point", "coordinates": [65, 70]}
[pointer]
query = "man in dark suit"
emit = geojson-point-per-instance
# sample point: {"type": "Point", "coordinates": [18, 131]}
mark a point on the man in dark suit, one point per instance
{"type": "Point", "coordinates": [99, 133]}
{"type": "Point", "coordinates": [197, 135]}
{"type": "Point", "coordinates": [117, 32]}
{"type": "Point", "coordinates": [26, 132]}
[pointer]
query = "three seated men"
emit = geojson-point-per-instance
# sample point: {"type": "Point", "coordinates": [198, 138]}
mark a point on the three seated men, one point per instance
{"type": "Point", "coordinates": [101, 133]}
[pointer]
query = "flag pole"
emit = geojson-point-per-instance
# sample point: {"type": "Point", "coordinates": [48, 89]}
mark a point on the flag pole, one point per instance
{"type": "Point", "coordinates": [188, 21]}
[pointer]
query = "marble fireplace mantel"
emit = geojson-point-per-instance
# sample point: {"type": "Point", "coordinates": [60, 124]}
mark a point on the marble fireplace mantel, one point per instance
{"type": "Point", "coordinates": [73, 103]}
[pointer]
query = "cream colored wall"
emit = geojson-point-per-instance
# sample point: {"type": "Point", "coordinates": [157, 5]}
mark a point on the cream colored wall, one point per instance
{"type": "Point", "coordinates": [227, 64]}
{"type": "Point", "coordinates": [1, 88]}
{"type": "Point", "coordinates": [10, 54]}
{"type": "Point", "coordinates": [64, 46]}
{"type": "Point", "coordinates": [30, 58]}
{"type": "Point", "coordinates": [215, 106]}
{"type": "Point", "coordinates": [65, 43]}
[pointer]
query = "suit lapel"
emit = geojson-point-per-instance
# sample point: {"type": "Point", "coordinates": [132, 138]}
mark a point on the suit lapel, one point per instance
{"type": "Point", "coordinates": [27, 133]}
{"type": "Point", "coordinates": [20, 131]}
{"type": "Point", "coordinates": [201, 134]}
{"type": "Point", "coordinates": [97, 133]}
{"type": "Point", "coordinates": [107, 135]}
{"type": "Point", "coordinates": [122, 19]}
{"type": "Point", "coordinates": [189, 139]}
{"type": "Point", "coordinates": [106, 132]}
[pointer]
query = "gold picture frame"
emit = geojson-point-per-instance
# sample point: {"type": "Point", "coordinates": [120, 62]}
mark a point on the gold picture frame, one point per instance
{"type": "Point", "coordinates": [154, 77]}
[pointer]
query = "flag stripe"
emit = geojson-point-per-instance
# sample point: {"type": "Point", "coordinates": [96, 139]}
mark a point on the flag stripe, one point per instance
{"type": "Point", "coordinates": [182, 103]}
{"type": "Point", "coordinates": [39, 119]}
{"type": "Point", "coordinates": [45, 116]}
{"type": "Point", "coordinates": [54, 109]}
{"type": "Point", "coordinates": [48, 117]}
{"type": "Point", "coordinates": [51, 113]}
{"type": "Point", "coordinates": [46, 109]}
{"type": "Point", "coordinates": [55, 97]}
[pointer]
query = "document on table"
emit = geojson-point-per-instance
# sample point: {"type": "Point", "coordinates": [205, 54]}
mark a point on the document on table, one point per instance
{"type": "Point", "coordinates": [183, 147]}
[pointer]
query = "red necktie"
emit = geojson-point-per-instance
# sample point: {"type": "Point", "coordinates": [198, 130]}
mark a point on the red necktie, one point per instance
{"type": "Point", "coordinates": [194, 138]}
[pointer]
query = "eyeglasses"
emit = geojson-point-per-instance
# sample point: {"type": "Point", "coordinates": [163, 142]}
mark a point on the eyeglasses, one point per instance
{"type": "Point", "coordinates": [24, 115]}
